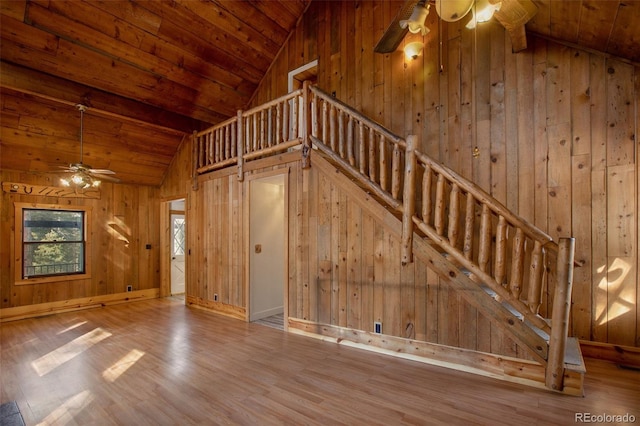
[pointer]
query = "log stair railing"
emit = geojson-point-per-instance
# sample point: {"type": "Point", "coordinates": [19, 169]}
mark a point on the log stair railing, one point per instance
{"type": "Point", "coordinates": [486, 251]}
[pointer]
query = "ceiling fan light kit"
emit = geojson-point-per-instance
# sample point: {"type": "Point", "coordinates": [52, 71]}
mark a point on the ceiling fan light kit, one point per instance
{"type": "Point", "coordinates": [84, 176]}
{"type": "Point", "coordinates": [415, 23]}
{"type": "Point", "coordinates": [512, 15]}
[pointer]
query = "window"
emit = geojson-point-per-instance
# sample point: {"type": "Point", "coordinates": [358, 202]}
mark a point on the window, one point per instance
{"type": "Point", "coordinates": [52, 245]}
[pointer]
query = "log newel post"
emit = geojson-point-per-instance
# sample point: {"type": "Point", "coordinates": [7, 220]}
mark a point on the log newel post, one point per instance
{"type": "Point", "coordinates": [194, 159]}
{"type": "Point", "coordinates": [560, 316]}
{"type": "Point", "coordinates": [409, 200]}
{"type": "Point", "coordinates": [306, 126]}
{"type": "Point", "coordinates": [240, 149]}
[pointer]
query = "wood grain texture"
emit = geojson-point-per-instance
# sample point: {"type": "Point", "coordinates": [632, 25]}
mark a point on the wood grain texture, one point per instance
{"type": "Point", "coordinates": [119, 368]}
{"type": "Point", "coordinates": [550, 123]}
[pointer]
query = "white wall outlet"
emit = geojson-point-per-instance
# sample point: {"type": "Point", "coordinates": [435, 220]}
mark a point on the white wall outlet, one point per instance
{"type": "Point", "coordinates": [377, 327]}
{"type": "Point", "coordinates": [129, 288]}
{"type": "Point", "coordinates": [215, 297]}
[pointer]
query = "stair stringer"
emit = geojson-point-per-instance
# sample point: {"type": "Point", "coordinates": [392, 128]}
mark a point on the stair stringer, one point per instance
{"type": "Point", "coordinates": [497, 366]}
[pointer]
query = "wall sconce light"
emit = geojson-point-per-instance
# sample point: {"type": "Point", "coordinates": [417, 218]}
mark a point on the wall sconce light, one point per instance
{"type": "Point", "coordinates": [416, 22]}
{"type": "Point", "coordinates": [413, 50]}
{"type": "Point", "coordinates": [483, 12]}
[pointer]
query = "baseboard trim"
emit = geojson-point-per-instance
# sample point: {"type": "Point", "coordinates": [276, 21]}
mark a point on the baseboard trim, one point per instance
{"type": "Point", "coordinates": [514, 370]}
{"type": "Point", "coordinates": [217, 307]}
{"type": "Point", "coordinates": [618, 354]}
{"type": "Point", "coordinates": [50, 308]}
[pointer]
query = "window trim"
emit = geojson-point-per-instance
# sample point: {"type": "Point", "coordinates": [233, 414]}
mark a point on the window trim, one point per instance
{"type": "Point", "coordinates": [18, 244]}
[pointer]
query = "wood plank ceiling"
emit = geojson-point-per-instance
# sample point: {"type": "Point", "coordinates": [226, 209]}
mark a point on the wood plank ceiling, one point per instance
{"type": "Point", "coordinates": [153, 71]}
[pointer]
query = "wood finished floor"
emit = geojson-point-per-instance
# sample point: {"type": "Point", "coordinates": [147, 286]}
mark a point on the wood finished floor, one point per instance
{"type": "Point", "coordinates": [160, 363]}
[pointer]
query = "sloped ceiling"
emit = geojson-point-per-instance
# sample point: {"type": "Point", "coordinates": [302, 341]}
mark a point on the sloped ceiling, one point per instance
{"type": "Point", "coordinates": [151, 72]}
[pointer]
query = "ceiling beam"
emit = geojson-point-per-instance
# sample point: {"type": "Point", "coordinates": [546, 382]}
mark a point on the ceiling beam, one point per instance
{"type": "Point", "coordinates": [46, 86]}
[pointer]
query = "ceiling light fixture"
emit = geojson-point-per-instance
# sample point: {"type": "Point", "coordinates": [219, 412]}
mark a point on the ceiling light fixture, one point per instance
{"type": "Point", "coordinates": [483, 12]}
{"type": "Point", "coordinates": [416, 22]}
{"type": "Point", "coordinates": [413, 50]}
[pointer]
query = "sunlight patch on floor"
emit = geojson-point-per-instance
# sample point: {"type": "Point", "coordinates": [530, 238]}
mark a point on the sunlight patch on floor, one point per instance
{"type": "Point", "coordinates": [112, 373]}
{"type": "Point", "coordinates": [68, 351]}
{"type": "Point", "coordinates": [69, 409]}
{"type": "Point", "coordinates": [71, 327]}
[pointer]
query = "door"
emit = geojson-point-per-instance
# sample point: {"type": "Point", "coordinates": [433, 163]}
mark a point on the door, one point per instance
{"type": "Point", "coordinates": [266, 247]}
{"type": "Point", "coordinates": [177, 252]}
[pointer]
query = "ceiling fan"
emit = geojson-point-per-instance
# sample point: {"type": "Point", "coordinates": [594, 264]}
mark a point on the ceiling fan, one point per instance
{"type": "Point", "coordinates": [512, 14]}
{"type": "Point", "coordinates": [84, 176]}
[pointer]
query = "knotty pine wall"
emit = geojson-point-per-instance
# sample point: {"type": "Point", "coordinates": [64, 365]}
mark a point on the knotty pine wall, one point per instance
{"type": "Point", "coordinates": [124, 219]}
{"type": "Point", "coordinates": [554, 126]}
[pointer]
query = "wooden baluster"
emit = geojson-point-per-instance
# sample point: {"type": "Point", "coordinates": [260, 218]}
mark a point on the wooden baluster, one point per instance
{"type": "Point", "coordinates": [332, 127]}
{"type": "Point", "coordinates": [384, 182]}
{"type": "Point", "coordinates": [227, 142]}
{"type": "Point", "coordinates": [517, 264]}
{"type": "Point", "coordinates": [350, 133]}
{"type": "Point", "coordinates": [234, 132]}
{"type": "Point", "coordinates": [372, 155]}
{"type": "Point", "coordinates": [210, 148]}
{"type": "Point", "coordinates": [255, 135]}
{"type": "Point", "coordinates": [216, 143]}
{"type": "Point", "coordinates": [247, 135]}
{"type": "Point", "coordinates": [306, 124]}
{"type": "Point", "coordinates": [285, 121]}
{"type": "Point", "coordinates": [501, 250]}
{"type": "Point", "coordinates": [362, 147]}
{"type": "Point", "coordinates": [484, 248]}
{"type": "Point", "coordinates": [440, 206]}
{"type": "Point", "coordinates": [325, 122]}
{"type": "Point", "coordinates": [278, 124]}
{"type": "Point", "coordinates": [240, 141]}
{"type": "Point", "coordinates": [560, 318]}
{"type": "Point", "coordinates": [314, 116]}
{"type": "Point", "coordinates": [294, 119]}
{"type": "Point", "coordinates": [341, 141]}
{"type": "Point", "coordinates": [270, 127]}
{"type": "Point", "coordinates": [469, 220]}
{"type": "Point", "coordinates": [427, 177]}
{"type": "Point", "coordinates": [535, 278]}
{"type": "Point", "coordinates": [395, 171]}
{"type": "Point", "coordinates": [454, 215]}
{"type": "Point", "coordinates": [263, 139]}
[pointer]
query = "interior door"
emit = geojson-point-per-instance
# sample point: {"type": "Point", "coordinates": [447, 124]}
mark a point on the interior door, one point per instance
{"type": "Point", "coordinates": [177, 253]}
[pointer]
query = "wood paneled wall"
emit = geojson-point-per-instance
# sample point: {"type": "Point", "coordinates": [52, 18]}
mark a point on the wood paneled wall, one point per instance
{"type": "Point", "coordinates": [125, 219]}
{"type": "Point", "coordinates": [554, 129]}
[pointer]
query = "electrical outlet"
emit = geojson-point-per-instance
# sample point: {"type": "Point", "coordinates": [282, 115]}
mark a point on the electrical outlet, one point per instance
{"type": "Point", "coordinates": [215, 297]}
{"type": "Point", "coordinates": [129, 288]}
{"type": "Point", "coordinates": [377, 327]}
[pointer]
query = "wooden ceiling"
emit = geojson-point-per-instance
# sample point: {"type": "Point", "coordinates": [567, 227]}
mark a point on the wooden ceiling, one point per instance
{"type": "Point", "coordinates": [153, 71]}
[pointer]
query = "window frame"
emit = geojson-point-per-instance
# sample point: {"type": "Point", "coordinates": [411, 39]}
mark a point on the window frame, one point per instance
{"type": "Point", "coordinates": [19, 244]}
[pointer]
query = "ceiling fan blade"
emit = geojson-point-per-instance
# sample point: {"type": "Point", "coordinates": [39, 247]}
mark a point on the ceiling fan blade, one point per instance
{"type": "Point", "coordinates": [394, 34]}
{"type": "Point", "coordinates": [102, 171]}
{"type": "Point", "coordinates": [513, 15]}
{"type": "Point", "coordinates": [105, 177]}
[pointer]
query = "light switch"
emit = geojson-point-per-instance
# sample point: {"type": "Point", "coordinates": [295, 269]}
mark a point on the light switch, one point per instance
{"type": "Point", "coordinates": [258, 248]}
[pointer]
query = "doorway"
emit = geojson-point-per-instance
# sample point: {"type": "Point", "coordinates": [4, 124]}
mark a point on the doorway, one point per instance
{"type": "Point", "coordinates": [178, 238]}
{"type": "Point", "coordinates": [267, 246]}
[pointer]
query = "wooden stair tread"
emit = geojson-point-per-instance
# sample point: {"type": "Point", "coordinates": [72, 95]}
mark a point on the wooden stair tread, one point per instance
{"type": "Point", "coordinates": [573, 359]}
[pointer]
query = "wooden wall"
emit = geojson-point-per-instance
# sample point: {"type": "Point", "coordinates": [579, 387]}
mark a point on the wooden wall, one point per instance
{"type": "Point", "coordinates": [554, 129]}
{"type": "Point", "coordinates": [124, 221]}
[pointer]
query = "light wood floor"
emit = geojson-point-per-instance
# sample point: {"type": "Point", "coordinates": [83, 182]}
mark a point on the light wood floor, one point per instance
{"type": "Point", "coordinates": [158, 362]}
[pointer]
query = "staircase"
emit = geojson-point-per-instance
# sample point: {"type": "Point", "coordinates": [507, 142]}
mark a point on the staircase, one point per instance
{"type": "Point", "coordinates": [495, 260]}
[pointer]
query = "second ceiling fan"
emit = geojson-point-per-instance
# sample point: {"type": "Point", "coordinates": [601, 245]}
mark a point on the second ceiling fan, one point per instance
{"type": "Point", "coordinates": [512, 14]}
